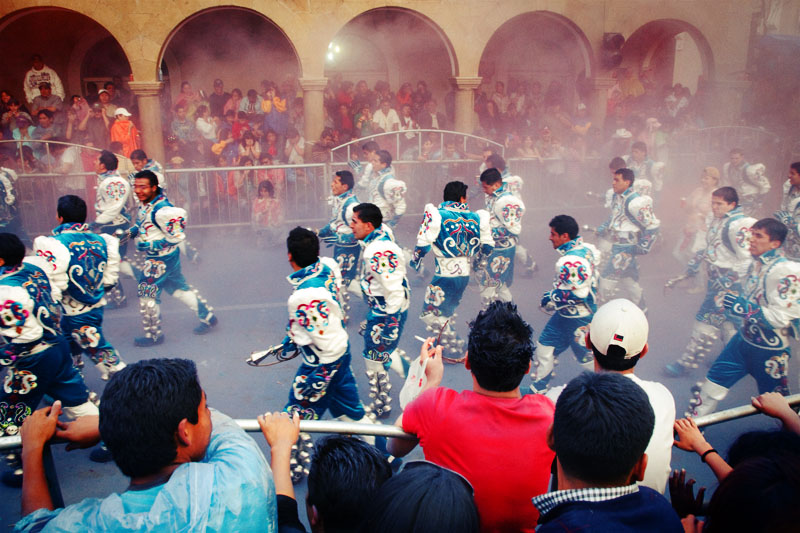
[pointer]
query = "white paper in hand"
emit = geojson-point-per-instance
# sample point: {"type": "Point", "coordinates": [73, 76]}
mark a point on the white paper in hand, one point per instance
{"type": "Point", "coordinates": [415, 381]}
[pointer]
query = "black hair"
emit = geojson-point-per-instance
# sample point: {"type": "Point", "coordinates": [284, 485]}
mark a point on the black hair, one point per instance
{"type": "Point", "coordinates": [615, 359]}
{"type": "Point", "coordinates": [346, 178]}
{"type": "Point", "coordinates": [639, 145]}
{"type": "Point", "coordinates": [500, 347]}
{"type": "Point", "coordinates": [72, 209]}
{"type": "Point", "coordinates": [12, 251]}
{"type": "Point", "coordinates": [497, 161]}
{"type": "Point", "coordinates": [370, 146]}
{"type": "Point", "coordinates": [140, 411]}
{"type": "Point", "coordinates": [762, 444]}
{"type": "Point", "coordinates": [109, 160]}
{"type": "Point", "coordinates": [303, 246]}
{"type": "Point", "coordinates": [268, 186]}
{"type": "Point", "coordinates": [45, 112]}
{"type": "Point", "coordinates": [776, 229]}
{"type": "Point", "coordinates": [737, 151]}
{"type": "Point", "coordinates": [454, 191]}
{"type": "Point", "coordinates": [613, 415]}
{"type": "Point", "coordinates": [149, 174]}
{"type": "Point", "coordinates": [795, 166]}
{"type": "Point", "coordinates": [616, 164]}
{"type": "Point", "coordinates": [626, 173]}
{"type": "Point", "coordinates": [759, 495]}
{"type": "Point", "coordinates": [370, 213]}
{"type": "Point", "coordinates": [385, 157]}
{"type": "Point", "coordinates": [345, 474]}
{"type": "Point", "coordinates": [728, 194]}
{"type": "Point", "coordinates": [424, 499]}
{"type": "Point", "coordinates": [139, 155]}
{"type": "Point", "coordinates": [565, 224]}
{"type": "Point", "coordinates": [490, 176]}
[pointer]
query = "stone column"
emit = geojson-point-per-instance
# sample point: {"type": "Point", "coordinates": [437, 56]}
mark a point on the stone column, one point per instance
{"type": "Point", "coordinates": [599, 100]}
{"type": "Point", "coordinates": [465, 93]}
{"type": "Point", "coordinates": [312, 110]}
{"type": "Point", "coordinates": [147, 94]}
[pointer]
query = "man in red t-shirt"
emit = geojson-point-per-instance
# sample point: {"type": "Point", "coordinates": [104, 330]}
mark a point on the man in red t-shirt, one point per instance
{"type": "Point", "coordinates": [492, 435]}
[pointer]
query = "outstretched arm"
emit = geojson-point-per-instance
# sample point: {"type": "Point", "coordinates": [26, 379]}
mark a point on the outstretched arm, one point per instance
{"type": "Point", "coordinates": [36, 431]}
{"type": "Point", "coordinates": [690, 439]}
{"type": "Point", "coordinates": [775, 405]}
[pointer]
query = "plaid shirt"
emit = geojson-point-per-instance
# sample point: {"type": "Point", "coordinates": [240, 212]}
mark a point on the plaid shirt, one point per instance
{"type": "Point", "coordinates": [549, 501]}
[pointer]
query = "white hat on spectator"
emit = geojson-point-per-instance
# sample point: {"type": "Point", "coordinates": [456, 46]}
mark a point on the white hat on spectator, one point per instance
{"type": "Point", "coordinates": [622, 133]}
{"type": "Point", "coordinates": [122, 111]}
{"type": "Point", "coordinates": [101, 91]}
{"type": "Point", "coordinates": [619, 322]}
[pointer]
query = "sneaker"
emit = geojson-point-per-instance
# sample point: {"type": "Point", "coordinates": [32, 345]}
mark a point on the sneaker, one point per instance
{"type": "Point", "coordinates": [205, 327]}
{"type": "Point", "coordinates": [12, 478]}
{"type": "Point", "coordinates": [399, 364]}
{"type": "Point", "coordinates": [101, 454]}
{"type": "Point", "coordinates": [144, 342]}
{"type": "Point", "coordinates": [541, 386]}
{"type": "Point", "coordinates": [675, 370]}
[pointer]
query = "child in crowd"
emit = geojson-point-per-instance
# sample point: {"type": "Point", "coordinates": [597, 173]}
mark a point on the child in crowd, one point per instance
{"type": "Point", "coordinates": [267, 215]}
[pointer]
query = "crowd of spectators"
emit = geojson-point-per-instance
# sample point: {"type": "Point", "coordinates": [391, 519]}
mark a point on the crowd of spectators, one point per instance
{"type": "Point", "coordinates": [495, 460]}
{"type": "Point", "coordinates": [206, 128]}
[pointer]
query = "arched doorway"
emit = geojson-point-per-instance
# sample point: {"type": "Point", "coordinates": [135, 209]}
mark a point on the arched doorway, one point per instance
{"type": "Point", "coordinates": [239, 46]}
{"type": "Point", "coordinates": [542, 55]}
{"type": "Point", "coordinates": [669, 51]}
{"type": "Point", "coordinates": [77, 47]}
{"type": "Point", "coordinates": [393, 45]}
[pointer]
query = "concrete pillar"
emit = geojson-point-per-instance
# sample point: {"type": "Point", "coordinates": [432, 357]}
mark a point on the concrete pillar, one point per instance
{"type": "Point", "coordinates": [465, 98]}
{"type": "Point", "coordinates": [599, 99]}
{"type": "Point", "coordinates": [147, 94]}
{"type": "Point", "coordinates": [312, 110]}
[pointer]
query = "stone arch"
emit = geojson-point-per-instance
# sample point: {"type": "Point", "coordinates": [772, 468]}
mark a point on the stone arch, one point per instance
{"type": "Point", "coordinates": [539, 46]}
{"type": "Point", "coordinates": [67, 41]}
{"type": "Point", "coordinates": [190, 55]}
{"type": "Point", "coordinates": [653, 46]}
{"type": "Point", "coordinates": [378, 26]}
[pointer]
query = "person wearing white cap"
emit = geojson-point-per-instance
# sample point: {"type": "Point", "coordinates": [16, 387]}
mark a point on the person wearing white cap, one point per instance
{"type": "Point", "coordinates": [124, 131]}
{"type": "Point", "coordinates": [768, 311]}
{"type": "Point", "coordinates": [632, 229]}
{"type": "Point", "coordinates": [618, 338]}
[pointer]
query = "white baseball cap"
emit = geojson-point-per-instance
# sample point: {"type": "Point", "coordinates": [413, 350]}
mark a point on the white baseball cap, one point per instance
{"type": "Point", "coordinates": [122, 111]}
{"type": "Point", "coordinates": [619, 322]}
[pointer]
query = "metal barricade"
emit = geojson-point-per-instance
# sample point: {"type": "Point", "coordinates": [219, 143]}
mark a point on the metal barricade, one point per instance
{"type": "Point", "coordinates": [227, 196]}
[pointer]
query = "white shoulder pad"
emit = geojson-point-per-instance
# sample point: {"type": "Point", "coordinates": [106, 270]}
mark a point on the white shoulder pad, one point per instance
{"type": "Point", "coordinates": [171, 220]}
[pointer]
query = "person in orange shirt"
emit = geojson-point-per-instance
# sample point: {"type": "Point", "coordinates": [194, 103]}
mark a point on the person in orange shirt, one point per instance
{"type": "Point", "coordinates": [125, 132]}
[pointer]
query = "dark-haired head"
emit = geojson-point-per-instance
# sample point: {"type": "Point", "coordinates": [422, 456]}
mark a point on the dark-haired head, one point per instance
{"type": "Point", "coordinates": [776, 229]}
{"type": "Point", "coordinates": [626, 174]}
{"type": "Point", "coordinates": [728, 194]}
{"type": "Point", "coordinates": [496, 161]}
{"type": "Point", "coordinates": [345, 474]}
{"type": "Point", "coordinates": [108, 160]}
{"type": "Point", "coordinates": [500, 347]}
{"type": "Point", "coordinates": [140, 411]}
{"type": "Point", "coordinates": [612, 413]}
{"type": "Point", "coordinates": [759, 495]}
{"type": "Point", "coordinates": [565, 224]}
{"type": "Point", "coordinates": [369, 213]}
{"type": "Point", "coordinates": [490, 176]}
{"type": "Point", "coordinates": [149, 175]}
{"type": "Point", "coordinates": [346, 178]}
{"type": "Point", "coordinates": [423, 498]}
{"type": "Point", "coordinates": [455, 191]}
{"type": "Point", "coordinates": [72, 209]}
{"type": "Point", "coordinates": [12, 251]}
{"type": "Point", "coordinates": [303, 246]}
